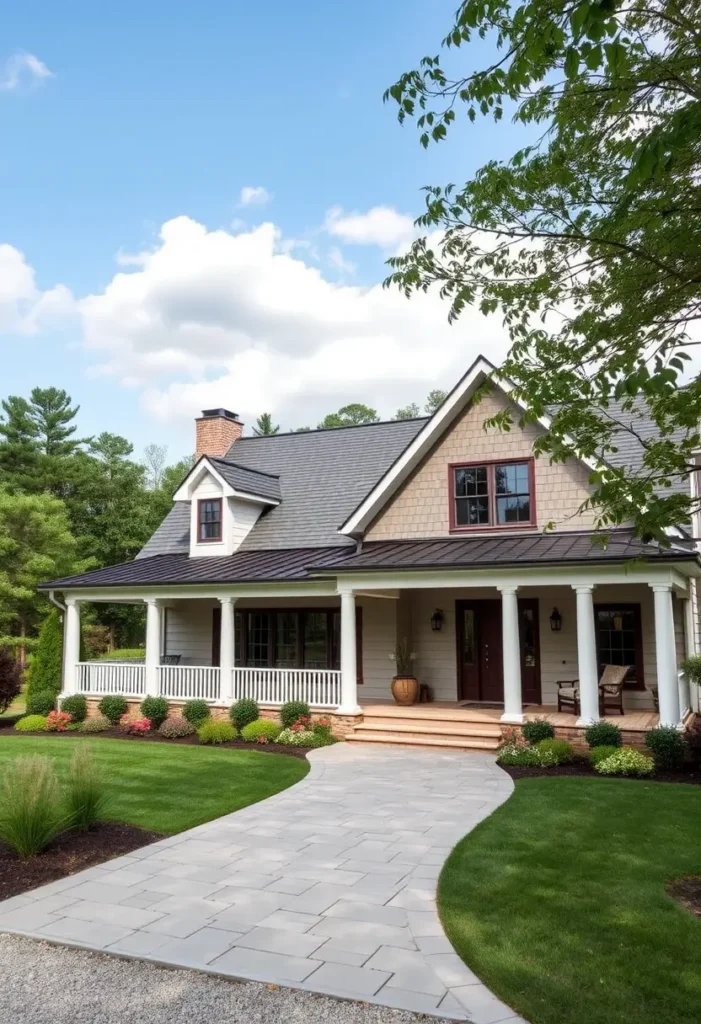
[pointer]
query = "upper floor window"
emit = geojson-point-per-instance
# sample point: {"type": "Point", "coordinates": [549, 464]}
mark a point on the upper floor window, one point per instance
{"type": "Point", "coordinates": [209, 519]}
{"type": "Point", "coordinates": [491, 495]}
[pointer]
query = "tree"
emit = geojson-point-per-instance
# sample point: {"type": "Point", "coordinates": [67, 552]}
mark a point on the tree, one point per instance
{"type": "Point", "coordinates": [52, 415]}
{"type": "Point", "coordinates": [349, 416]}
{"type": "Point", "coordinates": [36, 545]}
{"type": "Point", "coordinates": [588, 239]}
{"type": "Point", "coordinates": [264, 425]}
{"type": "Point", "coordinates": [408, 412]}
{"type": "Point", "coordinates": [10, 679]}
{"type": "Point", "coordinates": [434, 399]}
{"type": "Point", "coordinates": [45, 669]}
{"type": "Point", "coordinates": [18, 445]}
{"type": "Point", "coordinates": [154, 462]}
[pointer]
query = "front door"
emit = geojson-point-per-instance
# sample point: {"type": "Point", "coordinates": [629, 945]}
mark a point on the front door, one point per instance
{"type": "Point", "coordinates": [480, 664]}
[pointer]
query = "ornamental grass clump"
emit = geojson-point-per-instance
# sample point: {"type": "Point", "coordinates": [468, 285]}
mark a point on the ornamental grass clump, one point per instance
{"type": "Point", "coordinates": [85, 796]}
{"type": "Point", "coordinates": [626, 761]}
{"type": "Point", "coordinates": [31, 810]}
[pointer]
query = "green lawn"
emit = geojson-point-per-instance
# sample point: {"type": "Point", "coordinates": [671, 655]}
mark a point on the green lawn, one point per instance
{"type": "Point", "coordinates": [169, 788]}
{"type": "Point", "coordinates": [557, 901]}
{"type": "Point", "coordinates": [17, 704]}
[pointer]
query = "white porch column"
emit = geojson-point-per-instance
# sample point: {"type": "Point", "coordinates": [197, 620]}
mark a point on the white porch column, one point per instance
{"type": "Point", "coordinates": [71, 645]}
{"type": "Point", "coordinates": [226, 650]}
{"type": "Point", "coordinates": [666, 654]}
{"type": "Point", "coordinates": [153, 645]}
{"type": "Point", "coordinates": [586, 656]}
{"type": "Point", "coordinates": [349, 678]}
{"type": "Point", "coordinates": [511, 649]}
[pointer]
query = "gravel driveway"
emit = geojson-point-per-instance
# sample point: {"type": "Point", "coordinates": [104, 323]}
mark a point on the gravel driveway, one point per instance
{"type": "Point", "coordinates": [46, 984]}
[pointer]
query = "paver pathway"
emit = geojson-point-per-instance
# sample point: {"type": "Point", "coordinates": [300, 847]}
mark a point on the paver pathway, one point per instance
{"type": "Point", "coordinates": [328, 886]}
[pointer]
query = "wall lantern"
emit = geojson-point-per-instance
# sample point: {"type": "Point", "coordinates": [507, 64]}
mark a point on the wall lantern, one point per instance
{"type": "Point", "coordinates": [617, 621]}
{"type": "Point", "coordinates": [437, 621]}
{"type": "Point", "coordinates": [555, 621]}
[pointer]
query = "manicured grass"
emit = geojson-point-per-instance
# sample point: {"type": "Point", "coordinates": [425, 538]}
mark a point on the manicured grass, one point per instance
{"type": "Point", "coordinates": [164, 788]}
{"type": "Point", "coordinates": [557, 901]}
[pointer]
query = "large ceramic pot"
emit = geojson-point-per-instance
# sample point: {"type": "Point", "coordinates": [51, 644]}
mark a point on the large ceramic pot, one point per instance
{"type": "Point", "coordinates": [405, 690]}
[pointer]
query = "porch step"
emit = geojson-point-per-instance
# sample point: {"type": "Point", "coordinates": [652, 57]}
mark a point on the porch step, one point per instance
{"type": "Point", "coordinates": [430, 728]}
{"type": "Point", "coordinates": [424, 740]}
{"type": "Point", "coordinates": [427, 713]}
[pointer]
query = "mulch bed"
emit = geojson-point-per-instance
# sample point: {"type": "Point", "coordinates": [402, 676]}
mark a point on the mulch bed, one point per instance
{"type": "Point", "coordinates": [687, 891]}
{"type": "Point", "coordinates": [117, 734]}
{"type": "Point", "coordinates": [69, 853]}
{"type": "Point", "coordinates": [581, 767]}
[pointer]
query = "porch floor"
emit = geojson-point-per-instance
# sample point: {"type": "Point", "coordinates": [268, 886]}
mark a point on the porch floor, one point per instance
{"type": "Point", "coordinates": [457, 711]}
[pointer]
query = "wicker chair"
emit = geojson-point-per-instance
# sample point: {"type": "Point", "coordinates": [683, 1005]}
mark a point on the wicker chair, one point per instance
{"type": "Point", "coordinates": [170, 659]}
{"type": "Point", "coordinates": [610, 690]}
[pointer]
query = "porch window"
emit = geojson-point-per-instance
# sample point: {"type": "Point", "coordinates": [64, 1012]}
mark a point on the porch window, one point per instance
{"type": "Point", "coordinates": [619, 640]}
{"type": "Point", "coordinates": [209, 520]}
{"type": "Point", "coordinates": [492, 495]}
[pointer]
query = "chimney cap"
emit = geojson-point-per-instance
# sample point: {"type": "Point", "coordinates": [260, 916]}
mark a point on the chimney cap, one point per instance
{"type": "Point", "coordinates": [226, 414]}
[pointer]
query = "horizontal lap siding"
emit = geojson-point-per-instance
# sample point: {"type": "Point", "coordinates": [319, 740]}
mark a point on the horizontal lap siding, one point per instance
{"type": "Point", "coordinates": [379, 639]}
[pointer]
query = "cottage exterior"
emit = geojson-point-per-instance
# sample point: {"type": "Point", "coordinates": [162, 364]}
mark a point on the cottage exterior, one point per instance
{"type": "Point", "coordinates": [290, 566]}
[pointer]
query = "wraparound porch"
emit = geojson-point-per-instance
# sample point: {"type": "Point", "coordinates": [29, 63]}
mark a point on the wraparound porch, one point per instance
{"type": "Point", "coordinates": [328, 642]}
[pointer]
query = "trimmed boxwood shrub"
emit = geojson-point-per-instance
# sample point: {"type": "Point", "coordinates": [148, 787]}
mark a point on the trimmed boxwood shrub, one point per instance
{"type": "Point", "coordinates": [537, 730]}
{"type": "Point", "coordinates": [31, 723]}
{"type": "Point", "coordinates": [597, 754]}
{"type": "Point", "coordinates": [155, 709]}
{"type": "Point", "coordinates": [41, 703]}
{"type": "Point", "coordinates": [214, 731]}
{"type": "Point", "coordinates": [292, 712]}
{"type": "Point", "coordinates": [626, 761]}
{"type": "Point", "coordinates": [603, 734]}
{"type": "Point", "coordinates": [666, 746]}
{"type": "Point", "coordinates": [560, 749]}
{"type": "Point", "coordinates": [113, 707]}
{"type": "Point", "coordinates": [175, 728]}
{"type": "Point", "coordinates": [196, 712]}
{"type": "Point", "coordinates": [76, 705]}
{"type": "Point", "coordinates": [243, 712]}
{"type": "Point", "coordinates": [263, 727]}
{"type": "Point", "coordinates": [97, 724]}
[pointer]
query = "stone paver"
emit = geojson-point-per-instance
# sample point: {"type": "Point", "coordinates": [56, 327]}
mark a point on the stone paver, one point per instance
{"type": "Point", "coordinates": [328, 886]}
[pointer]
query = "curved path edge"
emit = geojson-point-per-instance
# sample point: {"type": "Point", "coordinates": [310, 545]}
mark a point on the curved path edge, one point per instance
{"type": "Point", "coordinates": [328, 886]}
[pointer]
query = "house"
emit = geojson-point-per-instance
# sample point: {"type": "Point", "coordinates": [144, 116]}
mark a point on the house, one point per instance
{"type": "Point", "coordinates": [290, 565]}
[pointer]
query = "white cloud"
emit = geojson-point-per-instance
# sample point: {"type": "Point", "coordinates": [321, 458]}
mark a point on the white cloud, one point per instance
{"type": "Point", "coordinates": [24, 309]}
{"type": "Point", "coordinates": [381, 225]}
{"type": "Point", "coordinates": [23, 68]}
{"type": "Point", "coordinates": [208, 318]}
{"type": "Point", "coordinates": [338, 260]}
{"type": "Point", "coordinates": [254, 195]}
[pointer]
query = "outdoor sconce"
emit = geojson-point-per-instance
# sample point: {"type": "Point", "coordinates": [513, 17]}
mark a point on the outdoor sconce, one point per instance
{"type": "Point", "coordinates": [556, 621]}
{"type": "Point", "coordinates": [437, 621]}
{"type": "Point", "coordinates": [618, 622]}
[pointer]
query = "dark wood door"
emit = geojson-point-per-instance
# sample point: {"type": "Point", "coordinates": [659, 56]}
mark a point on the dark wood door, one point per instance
{"type": "Point", "coordinates": [480, 670]}
{"type": "Point", "coordinates": [480, 661]}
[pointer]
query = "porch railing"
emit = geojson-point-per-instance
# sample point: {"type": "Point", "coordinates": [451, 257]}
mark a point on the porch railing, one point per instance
{"type": "Point", "coordinates": [189, 682]}
{"type": "Point", "coordinates": [319, 687]}
{"type": "Point", "coordinates": [120, 677]}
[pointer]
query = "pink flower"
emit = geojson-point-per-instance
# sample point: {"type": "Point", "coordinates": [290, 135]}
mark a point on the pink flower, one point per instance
{"type": "Point", "coordinates": [58, 721]}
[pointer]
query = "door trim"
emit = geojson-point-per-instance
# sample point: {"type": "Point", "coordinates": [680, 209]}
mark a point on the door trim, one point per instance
{"type": "Point", "coordinates": [460, 604]}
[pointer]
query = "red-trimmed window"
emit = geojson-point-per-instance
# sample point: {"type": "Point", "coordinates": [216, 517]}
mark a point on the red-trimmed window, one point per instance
{"type": "Point", "coordinates": [209, 516]}
{"type": "Point", "coordinates": [492, 495]}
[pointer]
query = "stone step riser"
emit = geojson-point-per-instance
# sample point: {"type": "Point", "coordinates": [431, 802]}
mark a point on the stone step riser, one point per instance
{"type": "Point", "coordinates": [401, 739]}
{"type": "Point", "coordinates": [425, 726]}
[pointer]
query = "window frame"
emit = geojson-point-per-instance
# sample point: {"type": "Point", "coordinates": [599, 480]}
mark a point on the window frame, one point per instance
{"type": "Point", "coordinates": [624, 606]}
{"type": "Point", "coordinates": [490, 465]}
{"type": "Point", "coordinates": [200, 524]}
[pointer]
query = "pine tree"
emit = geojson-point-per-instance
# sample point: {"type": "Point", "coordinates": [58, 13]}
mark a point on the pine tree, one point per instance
{"type": "Point", "coordinates": [52, 416]}
{"type": "Point", "coordinates": [18, 445]}
{"type": "Point", "coordinates": [264, 425]}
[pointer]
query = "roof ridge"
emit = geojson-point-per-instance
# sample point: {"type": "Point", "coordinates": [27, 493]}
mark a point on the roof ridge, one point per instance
{"type": "Point", "coordinates": [329, 430]}
{"type": "Point", "coordinates": [238, 465]}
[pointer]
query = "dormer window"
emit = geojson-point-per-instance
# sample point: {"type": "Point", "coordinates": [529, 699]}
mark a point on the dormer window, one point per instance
{"type": "Point", "coordinates": [209, 520]}
{"type": "Point", "coordinates": [492, 495]}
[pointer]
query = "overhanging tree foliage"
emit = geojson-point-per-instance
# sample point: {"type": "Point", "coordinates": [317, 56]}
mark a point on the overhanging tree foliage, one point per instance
{"type": "Point", "coordinates": [588, 240]}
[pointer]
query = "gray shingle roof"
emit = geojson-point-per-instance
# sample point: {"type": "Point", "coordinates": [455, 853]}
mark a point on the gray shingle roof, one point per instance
{"type": "Point", "coordinates": [250, 481]}
{"type": "Point", "coordinates": [323, 475]}
{"type": "Point", "coordinates": [301, 563]}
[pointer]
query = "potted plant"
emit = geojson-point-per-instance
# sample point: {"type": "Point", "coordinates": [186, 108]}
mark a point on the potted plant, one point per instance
{"type": "Point", "coordinates": [405, 685]}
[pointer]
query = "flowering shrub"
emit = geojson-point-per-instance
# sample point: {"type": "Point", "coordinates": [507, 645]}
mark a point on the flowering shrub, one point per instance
{"type": "Point", "coordinates": [292, 712]}
{"type": "Point", "coordinates": [135, 726]}
{"type": "Point", "coordinates": [58, 721]}
{"type": "Point", "coordinates": [297, 737]}
{"type": "Point", "coordinates": [96, 724]}
{"type": "Point", "coordinates": [175, 728]}
{"type": "Point", "coordinates": [518, 754]}
{"type": "Point", "coordinates": [626, 762]}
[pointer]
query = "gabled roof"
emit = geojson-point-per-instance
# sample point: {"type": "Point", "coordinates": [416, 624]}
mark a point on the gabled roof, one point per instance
{"type": "Point", "coordinates": [237, 481]}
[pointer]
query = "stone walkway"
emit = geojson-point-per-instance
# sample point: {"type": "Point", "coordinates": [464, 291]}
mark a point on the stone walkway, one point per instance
{"type": "Point", "coordinates": [328, 886]}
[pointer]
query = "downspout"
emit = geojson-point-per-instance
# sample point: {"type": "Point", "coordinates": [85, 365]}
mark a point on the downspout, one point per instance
{"type": "Point", "coordinates": [56, 602]}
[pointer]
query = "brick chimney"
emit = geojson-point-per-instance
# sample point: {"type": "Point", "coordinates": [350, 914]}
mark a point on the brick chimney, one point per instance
{"type": "Point", "coordinates": [216, 431]}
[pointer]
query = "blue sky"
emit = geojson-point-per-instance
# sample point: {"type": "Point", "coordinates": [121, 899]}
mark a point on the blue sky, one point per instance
{"type": "Point", "coordinates": [144, 114]}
